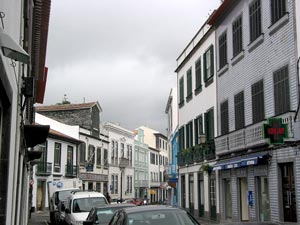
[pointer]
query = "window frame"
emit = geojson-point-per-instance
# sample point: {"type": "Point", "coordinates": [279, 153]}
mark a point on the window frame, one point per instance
{"type": "Point", "coordinates": [224, 117]}
{"type": "Point", "coordinates": [223, 58]}
{"type": "Point", "coordinates": [237, 36]}
{"type": "Point", "coordinates": [208, 62]}
{"type": "Point", "coordinates": [276, 14]}
{"type": "Point", "coordinates": [255, 20]}
{"type": "Point", "coordinates": [239, 110]}
{"type": "Point", "coordinates": [198, 75]}
{"type": "Point", "coordinates": [258, 101]}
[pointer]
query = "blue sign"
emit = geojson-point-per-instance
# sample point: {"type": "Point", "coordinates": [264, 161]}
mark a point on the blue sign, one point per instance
{"type": "Point", "coordinates": [250, 198]}
{"type": "Point", "coordinates": [90, 167]}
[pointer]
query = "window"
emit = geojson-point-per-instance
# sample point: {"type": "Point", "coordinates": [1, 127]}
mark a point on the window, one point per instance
{"type": "Point", "coordinates": [57, 157]}
{"type": "Point", "coordinates": [198, 128]}
{"type": "Point", "coordinates": [122, 150]}
{"type": "Point", "coordinates": [189, 134]}
{"type": "Point", "coordinates": [189, 83]}
{"type": "Point", "coordinates": [152, 158]}
{"type": "Point", "coordinates": [258, 103]}
{"type": "Point", "coordinates": [98, 156]}
{"type": "Point", "coordinates": [82, 150]}
{"type": "Point", "coordinates": [239, 110]}
{"type": "Point", "coordinates": [98, 187]}
{"type": "Point", "coordinates": [278, 9]}
{"type": "Point", "coordinates": [129, 184]}
{"type": "Point", "coordinates": [208, 59]}
{"type": "Point", "coordinates": [70, 155]}
{"type": "Point", "coordinates": [224, 118]}
{"type": "Point", "coordinates": [209, 125]}
{"type": "Point", "coordinates": [181, 91]}
{"type": "Point", "coordinates": [281, 90]}
{"type": "Point", "coordinates": [181, 139]}
{"type": "Point", "coordinates": [198, 74]}
{"type": "Point", "coordinates": [114, 183]}
{"type": "Point", "coordinates": [255, 20]}
{"type": "Point", "coordinates": [222, 50]}
{"type": "Point", "coordinates": [105, 157]}
{"type": "Point", "coordinates": [237, 36]}
{"type": "Point", "coordinates": [91, 154]}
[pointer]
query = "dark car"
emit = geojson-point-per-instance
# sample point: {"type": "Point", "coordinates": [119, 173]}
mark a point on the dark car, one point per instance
{"type": "Point", "coordinates": [153, 215]}
{"type": "Point", "coordinates": [102, 215]}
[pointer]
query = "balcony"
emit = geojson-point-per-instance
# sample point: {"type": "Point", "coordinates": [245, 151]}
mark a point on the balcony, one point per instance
{"type": "Point", "coordinates": [251, 136]}
{"type": "Point", "coordinates": [43, 169]}
{"type": "Point", "coordinates": [71, 171]}
{"type": "Point", "coordinates": [141, 183]}
{"type": "Point", "coordinates": [196, 154]}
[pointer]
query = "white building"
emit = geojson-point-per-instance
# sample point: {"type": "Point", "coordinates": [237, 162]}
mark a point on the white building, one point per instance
{"type": "Point", "coordinates": [58, 160]}
{"type": "Point", "coordinates": [120, 160]}
{"type": "Point", "coordinates": [196, 83]}
{"type": "Point", "coordinates": [158, 163]}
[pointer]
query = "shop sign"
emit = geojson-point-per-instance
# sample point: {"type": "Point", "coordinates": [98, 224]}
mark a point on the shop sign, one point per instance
{"type": "Point", "coordinates": [275, 131]}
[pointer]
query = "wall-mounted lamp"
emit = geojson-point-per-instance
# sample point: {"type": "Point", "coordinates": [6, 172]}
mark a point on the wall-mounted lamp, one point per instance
{"type": "Point", "coordinates": [12, 49]}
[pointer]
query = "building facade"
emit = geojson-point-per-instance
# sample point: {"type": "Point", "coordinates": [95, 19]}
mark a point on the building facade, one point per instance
{"type": "Point", "coordinates": [93, 152]}
{"type": "Point", "coordinates": [58, 160]}
{"type": "Point", "coordinates": [172, 136]}
{"type": "Point", "coordinates": [257, 99]}
{"type": "Point", "coordinates": [120, 160]}
{"type": "Point", "coordinates": [196, 83]}
{"type": "Point", "coordinates": [141, 165]}
{"type": "Point", "coordinates": [22, 64]}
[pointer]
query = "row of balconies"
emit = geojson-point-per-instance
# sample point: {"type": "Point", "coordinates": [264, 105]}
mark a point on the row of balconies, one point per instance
{"type": "Point", "coordinates": [45, 169]}
{"type": "Point", "coordinates": [196, 154]}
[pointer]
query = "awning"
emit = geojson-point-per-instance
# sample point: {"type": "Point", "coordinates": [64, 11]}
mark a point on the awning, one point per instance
{"type": "Point", "coordinates": [35, 134]}
{"type": "Point", "coordinates": [12, 49]}
{"type": "Point", "coordinates": [247, 160]}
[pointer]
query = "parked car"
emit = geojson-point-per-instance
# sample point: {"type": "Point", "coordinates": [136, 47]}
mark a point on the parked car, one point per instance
{"type": "Point", "coordinates": [79, 204]}
{"type": "Point", "coordinates": [136, 201]}
{"type": "Point", "coordinates": [153, 215]}
{"type": "Point", "coordinates": [102, 215]}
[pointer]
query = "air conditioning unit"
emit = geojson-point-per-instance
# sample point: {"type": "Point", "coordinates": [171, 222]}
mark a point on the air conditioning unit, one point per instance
{"type": "Point", "coordinates": [202, 139]}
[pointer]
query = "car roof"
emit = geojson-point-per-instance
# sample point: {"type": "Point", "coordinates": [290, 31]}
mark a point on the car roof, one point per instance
{"type": "Point", "coordinates": [123, 205]}
{"type": "Point", "coordinates": [86, 194]}
{"type": "Point", "coordinates": [151, 208]}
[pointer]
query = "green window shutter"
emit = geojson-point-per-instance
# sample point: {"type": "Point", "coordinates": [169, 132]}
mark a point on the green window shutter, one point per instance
{"type": "Point", "coordinates": [212, 61]}
{"type": "Point", "coordinates": [189, 82]}
{"type": "Point", "coordinates": [201, 124]}
{"type": "Point", "coordinates": [181, 86]}
{"type": "Point", "coordinates": [196, 130]}
{"type": "Point", "coordinates": [204, 67]}
{"type": "Point", "coordinates": [198, 73]}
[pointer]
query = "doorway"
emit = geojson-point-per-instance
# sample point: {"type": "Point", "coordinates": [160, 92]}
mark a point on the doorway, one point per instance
{"type": "Point", "coordinates": [243, 194]}
{"type": "Point", "coordinates": [41, 193]}
{"type": "Point", "coordinates": [288, 192]}
{"type": "Point", "coordinates": [227, 198]}
{"type": "Point", "coordinates": [201, 194]}
{"type": "Point", "coordinates": [191, 193]}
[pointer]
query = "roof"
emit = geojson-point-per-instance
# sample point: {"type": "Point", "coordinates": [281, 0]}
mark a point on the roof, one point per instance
{"type": "Point", "coordinates": [146, 208]}
{"type": "Point", "coordinates": [122, 205]}
{"type": "Point", "coordinates": [66, 107]}
{"type": "Point", "coordinates": [220, 12]}
{"type": "Point", "coordinates": [87, 194]}
{"type": "Point", "coordinates": [54, 133]}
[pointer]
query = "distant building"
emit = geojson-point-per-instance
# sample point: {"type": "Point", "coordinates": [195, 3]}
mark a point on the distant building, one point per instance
{"type": "Point", "coordinates": [93, 152]}
{"type": "Point", "coordinates": [120, 160]}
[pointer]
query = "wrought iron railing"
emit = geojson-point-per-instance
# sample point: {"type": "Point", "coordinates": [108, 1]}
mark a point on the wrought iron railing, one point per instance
{"type": "Point", "coordinates": [71, 171]}
{"type": "Point", "coordinates": [43, 169]}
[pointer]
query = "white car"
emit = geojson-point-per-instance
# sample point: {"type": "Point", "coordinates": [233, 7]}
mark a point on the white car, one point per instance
{"type": "Point", "coordinates": [79, 204]}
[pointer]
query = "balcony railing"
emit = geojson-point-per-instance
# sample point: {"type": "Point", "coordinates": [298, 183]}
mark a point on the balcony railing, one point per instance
{"type": "Point", "coordinates": [250, 136]}
{"type": "Point", "coordinates": [43, 169]}
{"type": "Point", "coordinates": [141, 183]}
{"type": "Point", "coordinates": [71, 171]}
{"type": "Point", "coordinates": [196, 154]}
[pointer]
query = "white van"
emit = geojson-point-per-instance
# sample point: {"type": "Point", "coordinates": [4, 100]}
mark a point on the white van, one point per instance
{"type": "Point", "coordinates": [79, 204]}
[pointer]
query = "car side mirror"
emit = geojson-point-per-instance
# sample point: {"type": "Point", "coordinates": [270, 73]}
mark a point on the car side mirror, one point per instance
{"type": "Point", "coordinates": [67, 211]}
{"type": "Point", "coordinates": [63, 207]}
{"type": "Point", "coordinates": [87, 222]}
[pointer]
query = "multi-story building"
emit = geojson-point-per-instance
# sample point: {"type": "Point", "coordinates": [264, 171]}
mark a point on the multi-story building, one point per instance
{"type": "Point", "coordinates": [58, 160]}
{"type": "Point", "coordinates": [196, 83]}
{"type": "Point", "coordinates": [158, 163]}
{"type": "Point", "coordinates": [257, 97]}
{"type": "Point", "coordinates": [141, 165]}
{"type": "Point", "coordinates": [93, 152]}
{"type": "Point", "coordinates": [120, 160]}
{"type": "Point", "coordinates": [23, 42]}
{"type": "Point", "coordinates": [172, 135]}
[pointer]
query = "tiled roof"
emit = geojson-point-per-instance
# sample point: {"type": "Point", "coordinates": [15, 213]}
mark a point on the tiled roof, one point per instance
{"type": "Point", "coordinates": [64, 136]}
{"type": "Point", "coordinates": [64, 107]}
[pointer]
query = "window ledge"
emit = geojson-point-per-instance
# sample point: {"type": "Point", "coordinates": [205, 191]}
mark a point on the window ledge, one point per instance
{"type": "Point", "coordinates": [209, 81]}
{"type": "Point", "coordinates": [198, 90]}
{"type": "Point", "coordinates": [181, 104]}
{"type": "Point", "coordinates": [238, 58]}
{"type": "Point", "coordinates": [189, 97]}
{"type": "Point", "coordinates": [278, 24]}
{"type": "Point", "coordinates": [254, 44]}
{"type": "Point", "coordinates": [223, 70]}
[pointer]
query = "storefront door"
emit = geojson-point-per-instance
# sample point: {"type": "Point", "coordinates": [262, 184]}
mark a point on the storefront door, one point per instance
{"type": "Point", "coordinates": [183, 191]}
{"type": "Point", "coordinates": [227, 198]}
{"type": "Point", "coordinates": [243, 189]}
{"type": "Point", "coordinates": [263, 199]}
{"type": "Point", "coordinates": [191, 193]}
{"type": "Point", "coordinates": [200, 195]}
{"type": "Point", "coordinates": [288, 192]}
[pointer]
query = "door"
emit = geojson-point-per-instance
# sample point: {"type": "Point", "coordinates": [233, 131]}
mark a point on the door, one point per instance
{"type": "Point", "coordinates": [200, 195]}
{"type": "Point", "coordinates": [243, 189]}
{"type": "Point", "coordinates": [70, 161]}
{"type": "Point", "coordinates": [41, 193]}
{"type": "Point", "coordinates": [183, 191]}
{"type": "Point", "coordinates": [288, 192]}
{"type": "Point", "coordinates": [212, 195]}
{"type": "Point", "coordinates": [191, 193]}
{"type": "Point", "coordinates": [227, 198]}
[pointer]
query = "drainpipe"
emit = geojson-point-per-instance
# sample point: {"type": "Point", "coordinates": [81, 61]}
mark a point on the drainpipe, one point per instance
{"type": "Point", "coordinates": [298, 90]}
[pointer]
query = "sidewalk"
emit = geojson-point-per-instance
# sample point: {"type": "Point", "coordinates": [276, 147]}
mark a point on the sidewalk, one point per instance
{"type": "Point", "coordinates": [39, 218]}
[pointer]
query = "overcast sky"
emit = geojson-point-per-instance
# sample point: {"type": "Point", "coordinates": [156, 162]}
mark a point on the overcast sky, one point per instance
{"type": "Point", "coordinates": [121, 53]}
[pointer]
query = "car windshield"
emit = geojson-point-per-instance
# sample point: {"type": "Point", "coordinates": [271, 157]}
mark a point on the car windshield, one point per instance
{"type": "Point", "coordinates": [62, 195]}
{"type": "Point", "coordinates": [104, 215]}
{"type": "Point", "coordinates": [161, 217]}
{"type": "Point", "coordinates": [86, 204]}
